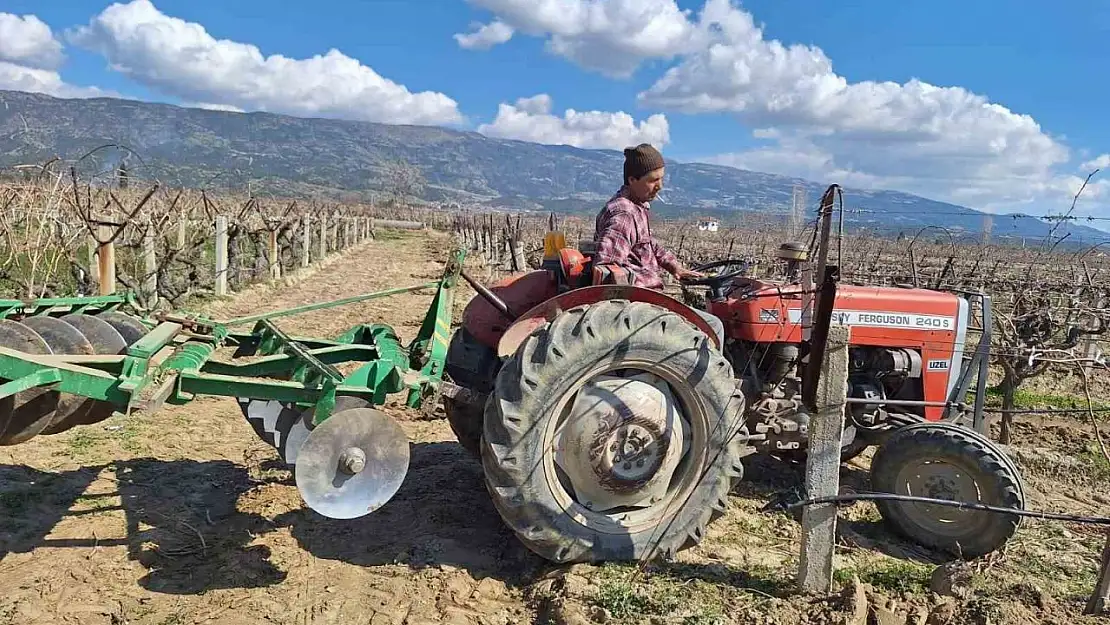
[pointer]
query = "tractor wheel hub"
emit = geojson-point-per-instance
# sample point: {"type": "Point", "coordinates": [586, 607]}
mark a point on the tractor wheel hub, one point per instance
{"type": "Point", "coordinates": [631, 453]}
{"type": "Point", "coordinates": [621, 442]}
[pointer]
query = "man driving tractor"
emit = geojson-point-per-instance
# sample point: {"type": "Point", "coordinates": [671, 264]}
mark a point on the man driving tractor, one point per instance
{"type": "Point", "coordinates": [622, 231]}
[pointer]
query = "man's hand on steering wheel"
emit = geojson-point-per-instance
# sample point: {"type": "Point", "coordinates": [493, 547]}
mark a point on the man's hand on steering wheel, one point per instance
{"type": "Point", "coordinates": [688, 274]}
{"type": "Point", "coordinates": [714, 274]}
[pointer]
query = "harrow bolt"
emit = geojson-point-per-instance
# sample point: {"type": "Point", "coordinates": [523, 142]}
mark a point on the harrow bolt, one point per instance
{"type": "Point", "coordinates": [352, 460]}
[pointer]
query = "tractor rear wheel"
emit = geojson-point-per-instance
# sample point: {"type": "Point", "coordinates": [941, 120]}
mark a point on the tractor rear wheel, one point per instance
{"type": "Point", "coordinates": [471, 365]}
{"type": "Point", "coordinates": [946, 461]}
{"type": "Point", "coordinates": [613, 434]}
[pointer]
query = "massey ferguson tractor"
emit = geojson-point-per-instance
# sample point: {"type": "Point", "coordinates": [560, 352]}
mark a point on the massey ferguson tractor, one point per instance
{"type": "Point", "coordinates": [611, 421]}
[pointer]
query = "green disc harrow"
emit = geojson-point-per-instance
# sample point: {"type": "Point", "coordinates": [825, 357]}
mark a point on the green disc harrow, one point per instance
{"type": "Point", "coordinates": [67, 362]}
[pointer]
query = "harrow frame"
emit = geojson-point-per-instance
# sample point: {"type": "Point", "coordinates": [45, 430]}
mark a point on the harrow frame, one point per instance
{"type": "Point", "coordinates": [174, 362]}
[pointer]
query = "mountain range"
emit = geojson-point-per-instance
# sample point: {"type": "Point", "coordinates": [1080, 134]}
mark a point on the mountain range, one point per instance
{"type": "Point", "coordinates": [298, 157]}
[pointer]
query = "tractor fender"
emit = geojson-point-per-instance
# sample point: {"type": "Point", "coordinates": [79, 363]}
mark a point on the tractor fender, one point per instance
{"type": "Point", "coordinates": [539, 315]}
{"type": "Point", "coordinates": [520, 291]}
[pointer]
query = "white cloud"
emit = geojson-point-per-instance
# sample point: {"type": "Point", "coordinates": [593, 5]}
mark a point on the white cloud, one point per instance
{"type": "Point", "coordinates": [485, 36]}
{"type": "Point", "coordinates": [182, 59]}
{"type": "Point", "coordinates": [29, 42]}
{"type": "Point", "coordinates": [30, 56]}
{"type": "Point", "coordinates": [1101, 162]}
{"type": "Point", "coordinates": [610, 36]}
{"type": "Point", "coordinates": [944, 142]}
{"type": "Point", "coordinates": [530, 119]}
{"type": "Point", "coordinates": [213, 107]}
{"type": "Point", "coordinates": [19, 78]}
{"type": "Point", "coordinates": [1048, 194]}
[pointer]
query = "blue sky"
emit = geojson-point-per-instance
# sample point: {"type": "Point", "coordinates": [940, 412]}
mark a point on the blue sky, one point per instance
{"type": "Point", "coordinates": [977, 103]}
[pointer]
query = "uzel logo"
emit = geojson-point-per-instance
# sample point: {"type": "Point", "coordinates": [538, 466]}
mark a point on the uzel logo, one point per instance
{"type": "Point", "coordinates": [938, 365]}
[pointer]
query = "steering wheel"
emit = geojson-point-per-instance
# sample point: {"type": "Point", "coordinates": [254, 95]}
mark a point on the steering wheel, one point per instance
{"type": "Point", "coordinates": [718, 276]}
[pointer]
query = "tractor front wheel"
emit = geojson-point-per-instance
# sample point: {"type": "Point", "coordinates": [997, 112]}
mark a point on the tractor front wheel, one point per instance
{"type": "Point", "coordinates": [613, 434]}
{"type": "Point", "coordinates": [946, 461]}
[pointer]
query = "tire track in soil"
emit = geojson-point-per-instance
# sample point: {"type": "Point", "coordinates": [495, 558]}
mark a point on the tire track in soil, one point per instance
{"type": "Point", "coordinates": [185, 516]}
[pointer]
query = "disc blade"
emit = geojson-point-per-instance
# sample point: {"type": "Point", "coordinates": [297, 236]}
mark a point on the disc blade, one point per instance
{"type": "Point", "coordinates": [25, 414]}
{"type": "Point", "coordinates": [263, 415]}
{"type": "Point", "coordinates": [334, 492]}
{"type": "Point", "coordinates": [295, 431]}
{"type": "Point", "coordinates": [62, 338]}
{"type": "Point", "coordinates": [106, 341]}
{"type": "Point", "coordinates": [128, 327]}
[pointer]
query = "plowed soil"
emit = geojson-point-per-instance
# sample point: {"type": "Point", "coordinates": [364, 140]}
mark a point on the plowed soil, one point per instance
{"type": "Point", "coordinates": [186, 517]}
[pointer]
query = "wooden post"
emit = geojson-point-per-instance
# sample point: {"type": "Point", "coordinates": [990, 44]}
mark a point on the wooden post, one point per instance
{"type": "Point", "coordinates": [221, 255]}
{"type": "Point", "coordinates": [306, 239]}
{"type": "Point", "coordinates": [323, 236]}
{"type": "Point", "coordinates": [150, 265]}
{"type": "Point", "coordinates": [275, 251]}
{"type": "Point", "coordinates": [106, 260]}
{"type": "Point", "coordinates": [1100, 600]}
{"type": "Point", "coordinates": [826, 431]}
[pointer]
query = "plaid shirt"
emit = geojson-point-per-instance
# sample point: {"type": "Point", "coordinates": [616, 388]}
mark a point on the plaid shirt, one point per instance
{"type": "Point", "coordinates": [623, 238]}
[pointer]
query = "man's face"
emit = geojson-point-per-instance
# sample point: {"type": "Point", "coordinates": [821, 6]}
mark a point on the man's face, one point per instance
{"type": "Point", "coordinates": [647, 187]}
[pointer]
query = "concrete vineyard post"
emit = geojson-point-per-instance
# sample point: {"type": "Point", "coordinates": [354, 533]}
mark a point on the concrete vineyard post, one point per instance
{"type": "Point", "coordinates": [150, 264]}
{"type": "Point", "coordinates": [518, 255]}
{"type": "Point", "coordinates": [306, 239]}
{"type": "Point", "coordinates": [94, 262]}
{"type": "Point", "coordinates": [275, 254]}
{"type": "Point", "coordinates": [826, 430]}
{"type": "Point", "coordinates": [182, 233]}
{"type": "Point", "coordinates": [221, 255]}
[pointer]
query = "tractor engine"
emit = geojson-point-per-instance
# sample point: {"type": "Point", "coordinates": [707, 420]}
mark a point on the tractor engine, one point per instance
{"type": "Point", "coordinates": [905, 354]}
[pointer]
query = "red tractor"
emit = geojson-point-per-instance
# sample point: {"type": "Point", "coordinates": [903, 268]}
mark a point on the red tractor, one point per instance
{"type": "Point", "coordinates": [612, 421]}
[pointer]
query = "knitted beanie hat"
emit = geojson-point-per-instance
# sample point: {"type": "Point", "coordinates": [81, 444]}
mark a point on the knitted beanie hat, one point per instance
{"type": "Point", "coordinates": [640, 160]}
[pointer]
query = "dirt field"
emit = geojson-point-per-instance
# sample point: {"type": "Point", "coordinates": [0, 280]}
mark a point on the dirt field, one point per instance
{"type": "Point", "coordinates": [185, 517]}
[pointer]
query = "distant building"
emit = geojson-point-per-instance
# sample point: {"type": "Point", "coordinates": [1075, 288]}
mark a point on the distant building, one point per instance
{"type": "Point", "coordinates": [708, 224]}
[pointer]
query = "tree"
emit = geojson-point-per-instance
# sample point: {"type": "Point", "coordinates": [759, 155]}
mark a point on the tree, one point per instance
{"type": "Point", "coordinates": [403, 181]}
